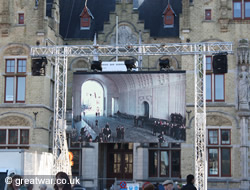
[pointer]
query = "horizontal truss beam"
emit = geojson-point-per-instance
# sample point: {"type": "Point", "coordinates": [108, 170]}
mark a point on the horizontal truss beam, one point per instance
{"type": "Point", "coordinates": [133, 50]}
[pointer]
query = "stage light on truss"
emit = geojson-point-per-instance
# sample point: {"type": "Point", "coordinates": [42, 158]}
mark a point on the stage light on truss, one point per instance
{"type": "Point", "coordinates": [164, 64]}
{"type": "Point", "coordinates": [38, 66]}
{"type": "Point", "coordinates": [96, 66]}
{"type": "Point", "coordinates": [130, 64]}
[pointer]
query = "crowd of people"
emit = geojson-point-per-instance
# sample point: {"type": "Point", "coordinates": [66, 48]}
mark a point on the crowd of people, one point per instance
{"type": "Point", "coordinates": [120, 131]}
{"type": "Point", "coordinates": [170, 185]}
{"type": "Point", "coordinates": [175, 128]}
{"type": "Point", "coordinates": [105, 134]}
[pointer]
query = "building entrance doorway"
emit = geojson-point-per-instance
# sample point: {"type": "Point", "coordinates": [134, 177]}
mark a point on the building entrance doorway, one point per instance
{"type": "Point", "coordinates": [146, 109]}
{"type": "Point", "coordinates": [120, 161]}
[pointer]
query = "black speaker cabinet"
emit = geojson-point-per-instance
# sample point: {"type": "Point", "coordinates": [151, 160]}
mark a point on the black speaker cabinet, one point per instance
{"type": "Point", "coordinates": [96, 65]}
{"type": "Point", "coordinates": [220, 64]}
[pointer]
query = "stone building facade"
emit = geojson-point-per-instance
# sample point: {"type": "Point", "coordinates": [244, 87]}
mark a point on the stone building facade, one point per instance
{"type": "Point", "coordinates": [26, 105]}
{"type": "Point", "coordinates": [225, 21]}
{"type": "Point", "coordinates": [27, 23]}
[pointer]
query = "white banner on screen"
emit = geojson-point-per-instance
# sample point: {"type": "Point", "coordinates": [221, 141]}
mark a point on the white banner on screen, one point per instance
{"type": "Point", "coordinates": [116, 66]}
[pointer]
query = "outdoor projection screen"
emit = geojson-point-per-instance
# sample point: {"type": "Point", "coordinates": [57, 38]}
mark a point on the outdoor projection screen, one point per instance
{"type": "Point", "coordinates": [129, 106]}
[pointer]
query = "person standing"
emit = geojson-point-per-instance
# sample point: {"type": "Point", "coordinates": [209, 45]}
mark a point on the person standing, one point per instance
{"type": "Point", "coordinates": [168, 185]}
{"type": "Point", "coordinates": [62, 182]}
{"type": "Point", "coordinates": [190, 183]}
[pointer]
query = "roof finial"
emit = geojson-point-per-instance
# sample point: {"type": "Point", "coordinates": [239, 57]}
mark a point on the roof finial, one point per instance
{"type": "Point", "coordinates": [86, 1]}
{"type": "Point", "coordinates": [168, 2]}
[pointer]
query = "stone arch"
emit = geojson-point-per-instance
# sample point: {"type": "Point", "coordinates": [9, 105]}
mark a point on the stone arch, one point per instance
{"type": "Point", "coordinates": [222, 117]}
{"type": "Point", "coordinates": [79, 63]}
{"type": "Point", "coordinates": [141, 101]}
{"type": "Point", "coordinates": [130, 25]}
{"type": "Point", "coordinates": [174, 64]}
{"type": "Point", "coordinates": [146, 109]}
{"type": "Point", "coordinates": [212, 40]}
{"type": "Point", "coordinates": [16, 119]}
{"type": "Point", "coordinates": [104, 89]}
{"type": "Point", "coordinates": [15, 49]}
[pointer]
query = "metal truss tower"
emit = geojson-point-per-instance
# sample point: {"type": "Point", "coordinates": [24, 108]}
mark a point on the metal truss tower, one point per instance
{"type": "Point", "coordinates": [60, 55]}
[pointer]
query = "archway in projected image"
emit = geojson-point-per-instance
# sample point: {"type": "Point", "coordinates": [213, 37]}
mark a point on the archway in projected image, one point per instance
{"type": "Point", "coordinates": [92, 95]}
{"type": "Point", "coordinates": [146, 109]}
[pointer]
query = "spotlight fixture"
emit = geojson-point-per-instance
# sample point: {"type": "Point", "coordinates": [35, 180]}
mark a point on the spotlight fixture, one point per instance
{"type": "Point", "coordinates": [164, 64]}
{"type": "Point", "coordinates": [38, 66]}
{"type": "Point", "coordinates": [130, 64]}
{"type": "Point", "coordinates": [96, 66]}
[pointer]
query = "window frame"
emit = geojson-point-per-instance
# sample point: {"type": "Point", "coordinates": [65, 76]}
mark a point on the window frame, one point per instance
{"type": "Point", "coordinates": [169, 162]}
{"type": "Point", "coordinates": [218, 161]}
{"type": "Point", "coordinates": [20, 101]}
{"type": "Point", "coordinates": [20, 22]}
{"type": "Point", "coordinates": [217, 136]}
{"type": "Point", "coordinates": [9, 137]}
{"type": "Point", "coordinates": [6, 60]}
{"type": "Point", "coordinates": [211, 76]}
{"type": "Point", "coordinates": [220, 146]}
{"type": "Point", "coordinates": [230, 175]}
{"type": "Point", "coordinates": [5, 91]}
{"type": "Point", "coordinates": [237, 18]}
{"type": "Point", "coordinates": [213, 83]}
{"type": "Point", "coordinates": [219, 100]}
{"type": "Point", "coordinates": [210, 57]}
{"type": "Point", "coordinates": [206, 16]}
{"type": "Point", "coordinates": [21, 136]}
{"type": "Point", "coordinates": [171, 154]}
{"type": "Point", "coordinates": [168, 23]}
{"type": "Point", "coordinates": [9, 145]}
{"type": "Point", "coordinates": [5, 136]}
{"type": "Point", "coordinates": [85, 24]}
{"type": "Point", "coordinates": [157, 156]}
{"type": "Point", "coordinates": [229, 136]}
{"type": "Point", "coordinates": [18, 66]}
{"type": "Point", "coordinates": [15, 75]}
{"type": "Point", "coordinates": [245, 17]}
{"type": "Point", "coordinates": [170, 149]}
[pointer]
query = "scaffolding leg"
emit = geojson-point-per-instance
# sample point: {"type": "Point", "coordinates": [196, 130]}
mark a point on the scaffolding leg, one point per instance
{"type": "Point", "coordinates": [200, 121]}
{"type": "Point", "coordinates": [60, 147]}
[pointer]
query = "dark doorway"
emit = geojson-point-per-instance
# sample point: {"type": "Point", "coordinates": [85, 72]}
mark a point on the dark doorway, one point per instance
{"type": "Point", "coordinates": [146, 109]}
{"type": "Point", "coordinates": [120, 161]}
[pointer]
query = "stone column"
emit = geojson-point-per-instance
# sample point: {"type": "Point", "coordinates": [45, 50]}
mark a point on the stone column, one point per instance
{"type": "Point", "coordinates": [140, 161]}
{"type": "Point", "coordinates": [186, 15]}
{"type": "Point", "coordinates": [90, 165]}
{"type": "Point", "coordinates": [244, 153]}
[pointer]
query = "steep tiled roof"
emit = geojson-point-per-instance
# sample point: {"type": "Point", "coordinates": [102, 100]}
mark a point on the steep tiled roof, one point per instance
{"type": "Point", "coordinates": [70, 19]}
{"type": "Point", "coordinates": [150, 12]}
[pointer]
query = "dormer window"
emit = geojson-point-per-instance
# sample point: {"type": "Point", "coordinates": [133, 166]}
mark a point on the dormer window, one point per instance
{"type": "Point", "coordinates": [85, 19]}
{"type": "Point", "coordinates": [168, 16]}
{"type": "Point", "coordinates": [85, 22]}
